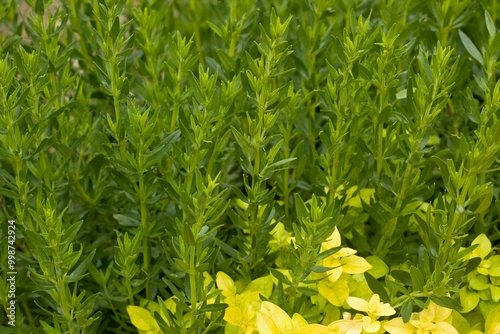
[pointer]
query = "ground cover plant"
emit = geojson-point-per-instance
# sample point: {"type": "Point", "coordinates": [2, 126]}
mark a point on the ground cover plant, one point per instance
{"type": "Point", "coordinates": [249, 166]}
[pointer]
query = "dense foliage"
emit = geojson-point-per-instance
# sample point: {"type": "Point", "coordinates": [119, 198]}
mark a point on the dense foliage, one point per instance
{"type": "Point", "coordinates": [250, 166]}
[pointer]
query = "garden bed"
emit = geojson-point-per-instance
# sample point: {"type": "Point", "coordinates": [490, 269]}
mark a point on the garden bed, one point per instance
{"type": "Point", "coordinates": [249, 166]}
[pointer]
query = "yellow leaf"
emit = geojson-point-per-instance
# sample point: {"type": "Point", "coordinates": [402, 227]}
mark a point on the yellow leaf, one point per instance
{"type": "Point", "coordinates": [347, 326]}
{"type": "Point", "coordinates": [318, 329]}
{"type": "Point", "coordinates": [358, 304]}
{"type": "Point", "coordinates": [142, 319]}
{"type": "Point", "coordinates": [332, 241]}
{"type": "Point", "coordinates": [492, 324]}
{"type": "Point", "coordinates": [364, 195]}
{"type": "Point", "coordinates": [298, 321]}
{"type": "Point", "coordinates": [279, 317]}
{"type": "Point", "coordinates": [370, 325]}
{"type": "Point", "coordinates": [444, 328]}
{"type": "Point", "coordinates": [440, 313]}
{"type": "Point", "coordinates": [226, 284]}
{"type": "Point", "coordinates": [336, 293]}
{"type": "Point", "coordinates": [334, 274]}
{"type": "Point", "coordinates": [263, 285]}
{"type": "Point", "coordinates": [233, 315]}
{"type": "Point", "coordinates": [354, 265]}
{"type": "Point", "coordinates": [494, 271]}
{"type": "Point", "coordinates": [484, 246]}
{"type": "Point", "coordinates": [344, 251]}
{"type": "Point", "coordinates": [468, 299]}
{"type": "Point", "coordinates": [266, 325]}
{"type": "Point", "coordinates": [355, 202]}
{"type": "Point", "coordinates": [379, 268]}
{"type": "Point", "coordinates": [397, 326]}
{"type": "Point", "coordinates": [250, 298]}
{"type": "Point", "coordinates": [241, 204]}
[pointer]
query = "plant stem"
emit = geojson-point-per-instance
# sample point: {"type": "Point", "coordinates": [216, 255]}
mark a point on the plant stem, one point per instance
{"type": "Point", "coordinates": [144, 223]}
{"type": "Point", "coordinates": [64, 306]}
{"type": "Point", "coordinates": [192, 283]}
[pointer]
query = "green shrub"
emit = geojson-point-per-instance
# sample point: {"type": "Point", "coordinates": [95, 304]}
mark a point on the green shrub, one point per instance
{"type": "Point", "coordinates": [214, 166]}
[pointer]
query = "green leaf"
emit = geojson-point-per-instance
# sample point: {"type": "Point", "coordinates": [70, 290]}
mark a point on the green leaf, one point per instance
{"type": "Point", "coordinates": [34, 239]}
{"type": "Point", "coordinates": [175, 291]}
{"type": "Point", "coordinates": [242, 141]}
{"type": "Point", "coordinates": [447, 302]}
{"type": "Point", "coordinates": [377, 287]}
{"type": "Point", "coordinates": [39, 7]}
{"type": "Point", "coordinates": [115, 29]}
{"type": "Point", "coordinates": [402, 276]}
{"type": "Point", "coordinates": [300, 208]}
{"type": "Point", "coordinates": [490, 25]}
{"type": "Point", "coordinates": [280, 163]}
{"type": "Point", "coordinates": [228, 249]}
{"type": "Point", "coordinates": [127, 220]}
{"type": "Point", "coordinates": [323, 255]}
{"type": "Point", "coordinates": [213, 308]}
{"type": "Point", "coordinates": [307, 291]}
{"type": "Point", "coordinates": [81, 269]}
{"type": "Point", "coordinates": [9, 193]}
{"type": "Point", "coordinates": [226, 60]}
{"type": "Point", "coordinates": [485, 202]}
{"type": "Point", "coordinates": [71, 232]}
{"type": "Point", "coordinates": [470, 47]}
{"type": "Point", "coordinates": [389, 227]}
{"type": "Point", "coordinates": [406, 310]}
{"type": "Point", "coordinates": [417, 279]}
{"type": "Point", "coordinates": [472, 264]}
{"type": "Point", "coordinates": [124, 183]}
{"type": "Point", "coordinates": [124, 89]}
{"type": "Point", "coordinates": [280, 276]}
{"type": "Point", "coordinates": [188, 235]}
{"type": "Point", "coordinates": [320, 269]}
{"type": "Point", "coordinates": [161, 150]}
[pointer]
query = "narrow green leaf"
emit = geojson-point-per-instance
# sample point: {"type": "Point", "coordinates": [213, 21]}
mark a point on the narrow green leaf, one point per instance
{"type": "Point", "coordinates": [417, 279]}
{"type": "Point", "coordinates": [280, 276]}
{"type": "Point", "coordinates": [402, 276]}
{"type": "Point", "coordinates": [115, 29]}
{"type": "Point", "coordinates": [226, 60]}
{"type": "Point", "coordinates": [124, 183]}
{"type": "Point", "coordinates": [307, 291]}
{"type": "Point", "coordinates": [377, 287]}
{"type": "Point", "coordinates": [81, 269]}
{"type": "Point", "coordinates": [228, 249]}
{"type": "Point", "coordinates": [490, 25]}
{"type": "Point", "coordinates": [213, 308]}
{"type": "Point", "coordinates": [447, 302]}
{"type": "Point", "coordinates": [280, 163]}
{"type": "Point", "coordinates": [406, 310]}
{"type": "Point", "coordinates": [242, 141]}
{"type": "Point", "coordinates": [301, 209]}
{"type": "Point", "coordinates": [188, 235]}
{"type": "Point", "coordinates": [320, 269]}
{"type": "Point", "coordinates": [485, 202]}
{"type": "Point", "coordinates": [175, 291]}
{"type": "Point", "coordinates": [470, 47]}
{"type": "Point", "coordinates": [472, 264]}
{"type": "Point", "coordinates": [443, 168]}
{"type": "Point", "coordinates": [9, 193]}
{"type": "Point", "coordinates": [71, 232]}
{"type": "Point", "coordinates": [323, 255]}
{"type": "Point", "coordinates": [39, 7]}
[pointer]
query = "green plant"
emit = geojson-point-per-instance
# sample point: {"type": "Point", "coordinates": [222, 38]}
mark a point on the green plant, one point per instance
{"type": "Point", "coordinates": [249, 166]}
